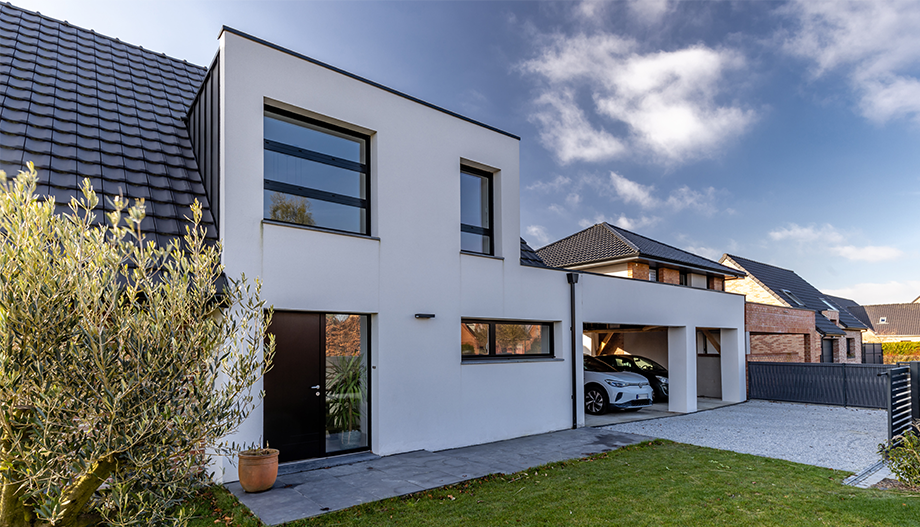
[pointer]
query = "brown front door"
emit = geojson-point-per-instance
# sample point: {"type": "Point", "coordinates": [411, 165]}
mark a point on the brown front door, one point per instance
{"type": "Point", "coordinates": [295, 414]}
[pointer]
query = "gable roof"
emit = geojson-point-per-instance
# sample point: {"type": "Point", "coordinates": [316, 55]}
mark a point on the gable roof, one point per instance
{"type": "Point", "coordinates": [529, 257]}
{"type": "Point", "coordinates": [900, 319]}
{"type": "Point", "coordinates": [83, 105]}
{"type": "Point", "coordinates": [606, 242]}
{"type": "Point", "coordinates": [779, 281]}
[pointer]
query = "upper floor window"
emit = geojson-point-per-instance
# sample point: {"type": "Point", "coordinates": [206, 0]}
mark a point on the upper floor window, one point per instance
{"type": "Point", "coordinates": [315, 174]}
{"type": "Point", "coordinates": [684, 278]}
{"type": "Point", "coordinates": [476, 216]}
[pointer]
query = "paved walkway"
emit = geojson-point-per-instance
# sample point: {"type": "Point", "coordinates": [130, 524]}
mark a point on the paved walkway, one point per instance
{"type": "Point", "coordinates": [314, 492]}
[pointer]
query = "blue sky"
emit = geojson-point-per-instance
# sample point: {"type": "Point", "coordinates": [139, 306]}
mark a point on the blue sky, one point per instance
{"type": "Point", "coordinates": [784, 132]}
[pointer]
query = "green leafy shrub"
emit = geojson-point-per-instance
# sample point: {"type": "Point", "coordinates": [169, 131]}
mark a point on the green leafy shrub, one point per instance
{"type": "Point", "coordinates": [901, 348]}
{"type": "Point", "coordinates": [902, 455]}
{"type": "Point", "coordinates": [121, 368]}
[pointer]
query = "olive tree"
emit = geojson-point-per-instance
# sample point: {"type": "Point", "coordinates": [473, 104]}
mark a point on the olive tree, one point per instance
{"type": "Point", "coordinates": [122, 367]}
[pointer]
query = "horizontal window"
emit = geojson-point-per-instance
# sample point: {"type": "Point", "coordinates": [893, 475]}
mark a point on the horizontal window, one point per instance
{"type": "Point", "coordinates": [483, 339]}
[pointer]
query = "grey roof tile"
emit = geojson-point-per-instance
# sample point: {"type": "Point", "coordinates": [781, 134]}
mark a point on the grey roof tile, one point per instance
{"type": "Point", "coordinates": [82, 104]}
{"type": "Point", "coordinates": [778, 279]}
{"type": "Point", "coordinates": [529, 257]}
{"type": "Point", "coordinates": [605, 242]}
{"type": "Point", "coordinates": [900, 319]}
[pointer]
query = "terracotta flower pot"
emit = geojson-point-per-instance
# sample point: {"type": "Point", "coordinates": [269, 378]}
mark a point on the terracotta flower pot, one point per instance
{"type": "Point", "coordinates": [258, 469]}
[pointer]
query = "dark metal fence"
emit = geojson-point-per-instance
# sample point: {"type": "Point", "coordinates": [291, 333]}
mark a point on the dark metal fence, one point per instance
{"type": "Point", "coordinates": [824, 383]}
{"type": "Point", "coordinates": [900, 412]}
{"type": "Point", "coordinates": [872, 353]}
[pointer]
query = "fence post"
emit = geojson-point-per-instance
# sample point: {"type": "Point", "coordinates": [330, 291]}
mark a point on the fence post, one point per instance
{"type": "Point", "coordinates": [889, 401]}
{"type": "Point", "coordinates": [845, 387]}
{"type": "Point", "coordinates": [915, 389]}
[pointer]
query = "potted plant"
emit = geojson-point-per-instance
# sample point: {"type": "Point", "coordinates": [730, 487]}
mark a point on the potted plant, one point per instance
{"type": "Point", "coordinates": [258, 469]}
{"type": "Point", "coordinates": [346, 397]}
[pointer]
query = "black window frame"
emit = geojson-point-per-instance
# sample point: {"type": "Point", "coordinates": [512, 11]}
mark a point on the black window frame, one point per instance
{"type": "Point", "coordinates": [683, 278]}
{"type": "Point", "coordinates": [493, 356]}
{"type": "Point", "coordinates": [306, 192]}
{"type": "Point", "coordinates": [472, 229]}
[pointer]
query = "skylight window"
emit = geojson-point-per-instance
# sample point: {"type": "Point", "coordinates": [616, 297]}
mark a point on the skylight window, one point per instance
{"type": "Point", "coordinates": [828, 304]}
{"type": "Point", "coordinates": [793, 297]}
{"type": "Point", "coordinates": [883, 320]}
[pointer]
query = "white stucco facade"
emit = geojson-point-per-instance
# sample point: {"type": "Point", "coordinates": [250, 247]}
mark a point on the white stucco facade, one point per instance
{"type": "Point", "coordinates": [422, 395]}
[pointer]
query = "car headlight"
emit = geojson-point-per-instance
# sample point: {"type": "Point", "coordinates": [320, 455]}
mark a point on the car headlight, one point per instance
{"type": "Point", "coordinates": [662, 380]}
{"type": "Point", "coordinates": [612, 382]}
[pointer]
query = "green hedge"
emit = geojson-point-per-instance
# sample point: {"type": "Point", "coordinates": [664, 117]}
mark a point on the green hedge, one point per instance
{"type": "Point", "coordinates": [901, 348]}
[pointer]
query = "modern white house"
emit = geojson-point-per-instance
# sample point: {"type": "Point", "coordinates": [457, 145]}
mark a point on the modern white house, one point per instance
{"type": "Point", "coordinates": [386, 231]}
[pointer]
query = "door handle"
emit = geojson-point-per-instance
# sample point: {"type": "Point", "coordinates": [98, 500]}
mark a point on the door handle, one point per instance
{"type": "Point", "coordinates": [315, 387]}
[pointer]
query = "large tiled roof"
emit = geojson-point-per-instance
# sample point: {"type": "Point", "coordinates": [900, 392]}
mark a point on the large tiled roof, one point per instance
{"type": "Point", "coordinates": [605, 242]}
{"type": "Point", "coordinates": [778, 279]}
{"type": "Point", "coordinates": [82, 105]}
{"type": "Point", "coordinates": [900, 319]}
{"type": "Point", "coordinates": [530, 257]}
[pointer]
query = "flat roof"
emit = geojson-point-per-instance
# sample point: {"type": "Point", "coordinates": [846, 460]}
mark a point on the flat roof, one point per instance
{"type": "Point", "coordinates": [366, 81]}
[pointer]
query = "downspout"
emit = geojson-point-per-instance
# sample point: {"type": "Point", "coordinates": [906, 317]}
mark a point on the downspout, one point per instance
{"type": "Point", "coordinates": [573, 279]}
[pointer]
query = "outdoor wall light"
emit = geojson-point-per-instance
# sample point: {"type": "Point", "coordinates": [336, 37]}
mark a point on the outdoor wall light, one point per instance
{"type": "Point", "coordinates": [424, 315]}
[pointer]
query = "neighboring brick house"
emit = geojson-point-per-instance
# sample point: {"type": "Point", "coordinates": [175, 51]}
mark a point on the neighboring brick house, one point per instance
{"type": "Point", "coordinates": [789, 320]}
{"type": "Point", "coordinates": [611, 250]}
{"type": "Point", "coordinates": [889, 322]}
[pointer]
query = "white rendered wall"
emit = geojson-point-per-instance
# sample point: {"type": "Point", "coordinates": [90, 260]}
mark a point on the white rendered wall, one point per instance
{"type": "Point", "coordinates": [422, 395]}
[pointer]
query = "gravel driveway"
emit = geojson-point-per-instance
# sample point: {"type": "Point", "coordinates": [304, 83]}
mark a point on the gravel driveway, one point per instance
{"type": "Point", "coordinates": [825, 436]}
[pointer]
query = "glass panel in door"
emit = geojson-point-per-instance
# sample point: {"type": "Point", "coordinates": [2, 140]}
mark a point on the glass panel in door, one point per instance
{"type": "Point", "coordinates": [346, 382]}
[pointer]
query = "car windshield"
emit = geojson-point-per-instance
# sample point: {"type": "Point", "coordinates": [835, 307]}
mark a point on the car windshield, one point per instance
{"type": "Point", "coordinates": [592, 364]}
{"type": "Point", "coordinates": [647, 364]}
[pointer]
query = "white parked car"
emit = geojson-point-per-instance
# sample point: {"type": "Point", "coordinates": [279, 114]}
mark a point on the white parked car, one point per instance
{"type": "Point", "coordinates": [605, 387]}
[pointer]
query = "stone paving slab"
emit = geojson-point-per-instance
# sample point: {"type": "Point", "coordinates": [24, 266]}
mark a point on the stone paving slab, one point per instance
{"type": "Point", "coordinates": [314, 492]}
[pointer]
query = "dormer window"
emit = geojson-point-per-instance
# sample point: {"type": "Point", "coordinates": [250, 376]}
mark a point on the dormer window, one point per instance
{"type": "Point", "coordinates": [883, 320]}
{"type": "Point", "coordinates": [792, 297]}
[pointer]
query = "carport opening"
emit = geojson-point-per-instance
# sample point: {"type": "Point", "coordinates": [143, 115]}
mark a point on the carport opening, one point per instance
{"type": "Point", "coordinates": [651, 342]}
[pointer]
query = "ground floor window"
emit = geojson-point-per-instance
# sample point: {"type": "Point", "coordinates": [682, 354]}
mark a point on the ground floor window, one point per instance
{"type": "Point", "coordinates": [486, 339]}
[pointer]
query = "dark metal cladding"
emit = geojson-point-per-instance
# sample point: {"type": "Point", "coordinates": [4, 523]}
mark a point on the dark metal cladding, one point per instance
{"type": "Point", "coordinates": [83, 105]}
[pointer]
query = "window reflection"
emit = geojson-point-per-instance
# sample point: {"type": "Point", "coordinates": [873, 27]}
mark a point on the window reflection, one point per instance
{"type": "Point", "coordinates": [346, 382]}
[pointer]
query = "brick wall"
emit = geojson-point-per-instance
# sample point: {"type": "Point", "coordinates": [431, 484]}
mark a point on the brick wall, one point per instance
{"type": "Point", "coordinates": [777, 348]}
{"type": "Point", "coordinates": [752, 291]}
{"type": "Point", "coordinates": [764, 318]}
{"type": "Point", "coordinates": [716, 283]}
{"type": "Point", "coordinates": [668, 276]}
{"type": "Point", "coordinates": [637, 270]}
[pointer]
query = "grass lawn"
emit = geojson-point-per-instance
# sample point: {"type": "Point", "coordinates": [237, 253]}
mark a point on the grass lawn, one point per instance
{"type": "Point", "coordinates": [655, 484]}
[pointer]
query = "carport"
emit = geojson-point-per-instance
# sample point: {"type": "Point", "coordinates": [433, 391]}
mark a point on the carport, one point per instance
{"type": "Point", "coordinates": [696, 367]}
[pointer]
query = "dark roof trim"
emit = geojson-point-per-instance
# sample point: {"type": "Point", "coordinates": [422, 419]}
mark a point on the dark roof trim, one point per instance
{"type": "Point", "coordinates": [366, 81]}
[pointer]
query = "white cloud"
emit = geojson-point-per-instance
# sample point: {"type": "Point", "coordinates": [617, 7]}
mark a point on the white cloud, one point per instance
{"type": "Point", "coordinates": [565, 129]}
{"type": "Point", "coordinates": [667, 100]}
{"type": "Point", "coordinates": [880, 293]}
{"type": "Point", "coordinates": [573, 199]}
{"type": "Point", "coordinates": [876, 45]}
{"type": "Point", "coordinates": [649, 11]}
{"type": "Point", "coordinates": [828, 237]}
{"type": "Point", "coordinates": [632, 224]}
{"type": "Point", "coordinates": [680, 199]}
{"type": "Point", "coordinates": [538, 233]}
{"type": "Point", "coordinates": [798, 233]}
{"type": "Point", "coordinates": [869, 253]}
{"type": "Point", "coordinates": [558, 183]}
{"type": "Point", "coordinates": [633, 192]}
{"type": "Point", "coordinates": [705, 252]}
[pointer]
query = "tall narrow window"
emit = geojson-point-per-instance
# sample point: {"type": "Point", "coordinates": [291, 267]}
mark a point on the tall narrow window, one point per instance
{"type": "Point", "coordinates": [476, 211]}
{"type": "Point", "coordinates": [316, 174]}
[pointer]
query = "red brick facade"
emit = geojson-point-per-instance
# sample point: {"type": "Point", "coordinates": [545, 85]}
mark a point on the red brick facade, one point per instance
{"type": "Point", "coordinates": [637, 270]}
{"type": "Point", "coordinates": [668, 276]}
{"type": "Point", "coordinates": [779, 334]}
